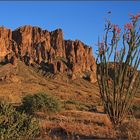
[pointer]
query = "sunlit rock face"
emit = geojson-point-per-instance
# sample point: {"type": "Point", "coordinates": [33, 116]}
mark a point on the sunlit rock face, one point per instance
{"type": "Point", "coordinates": [35, 46]}
{"type": "Point", "coordinates": [5, 42]}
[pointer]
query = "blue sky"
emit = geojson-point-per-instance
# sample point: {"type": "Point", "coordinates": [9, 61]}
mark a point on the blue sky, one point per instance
{"type": "Point", "coordinates": [79, 20]}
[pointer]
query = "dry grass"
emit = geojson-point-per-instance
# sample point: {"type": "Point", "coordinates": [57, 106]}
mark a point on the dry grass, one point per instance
{"type": "Point", "coordinates": [32, 82]}
{"type": "Point", "coordinates": [130, 130]}
{"type": "Point", "coordinates": [69, 123]}
{"type": "Point", "coordinates": [79, 124]}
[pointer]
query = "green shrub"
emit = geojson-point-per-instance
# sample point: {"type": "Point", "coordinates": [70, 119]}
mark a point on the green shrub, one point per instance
{"type": "Point", "coordinates": [75, 105]}
{"type": "Point", "coordinates": [40, 102]}
{"type": "Point", "coordinates": [15, 125]}
{"type": "Point", "coordinates": [71, 102]}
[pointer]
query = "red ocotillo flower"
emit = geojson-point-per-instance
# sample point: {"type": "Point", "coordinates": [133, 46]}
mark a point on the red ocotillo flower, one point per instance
{"type": "Point", "coordinates": [135, 17]}
{"type": "Point", "coordinates": [128, 26]}
{"type": "Point", "coordinates": [117, 29]}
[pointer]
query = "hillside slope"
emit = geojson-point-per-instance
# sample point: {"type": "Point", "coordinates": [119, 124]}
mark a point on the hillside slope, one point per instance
{"type": "Point", "coordinates": [82, 114]}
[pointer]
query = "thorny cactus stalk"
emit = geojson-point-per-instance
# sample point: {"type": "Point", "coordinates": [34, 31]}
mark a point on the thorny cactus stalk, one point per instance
{"type": "Point", "coordinates": [119, 80]}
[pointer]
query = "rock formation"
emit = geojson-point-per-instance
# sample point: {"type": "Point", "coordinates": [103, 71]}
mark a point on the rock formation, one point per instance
{"type": "Point", "coordinates": [5, 42]}
{"type": "Point", "coordinates": [49, 50]}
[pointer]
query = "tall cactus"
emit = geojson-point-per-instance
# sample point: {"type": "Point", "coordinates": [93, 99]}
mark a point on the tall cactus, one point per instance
{"type": "Point", "coordinates": [119, 80]}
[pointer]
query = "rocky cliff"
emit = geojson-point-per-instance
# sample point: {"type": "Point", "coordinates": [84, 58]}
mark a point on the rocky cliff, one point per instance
{"type": "Point", "coordinates": [49, 50]}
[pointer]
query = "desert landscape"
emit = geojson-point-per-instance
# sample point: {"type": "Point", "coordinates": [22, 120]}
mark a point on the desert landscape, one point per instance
{"type": "Point", "coordinates": [38, 61]}
{"type": "Point", "coordinates": [69, 70]}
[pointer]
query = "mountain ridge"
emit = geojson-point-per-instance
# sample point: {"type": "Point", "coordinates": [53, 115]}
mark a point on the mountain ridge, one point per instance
{"type": "Point", "coordinates": [49, 50]}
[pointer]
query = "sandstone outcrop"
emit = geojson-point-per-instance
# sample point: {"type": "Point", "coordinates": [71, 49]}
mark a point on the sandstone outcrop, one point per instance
{"type": "Point", "coordinates": [49, 50]}
{"type": "Point", "coordinates": [5, 42]}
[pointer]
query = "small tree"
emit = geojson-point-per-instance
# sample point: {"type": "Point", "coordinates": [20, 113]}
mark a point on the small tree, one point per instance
{"type": "Point", "coordinates": [119, 80]}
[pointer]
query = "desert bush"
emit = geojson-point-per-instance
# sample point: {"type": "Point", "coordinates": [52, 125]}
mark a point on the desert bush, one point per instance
{"type": "Point", "coordinates": [40, 102]}
{"type": "Point", "coordinates": [119, 80]}
{"type": "Point", "coordinates": [71, 102]}
{"type": "Point", "coordinates": [136, 110]}
{"type": "Point", "coordinates": [76, 105]}
{"type": "Point", "coordinates": [129, 130]}
{"type": "Point", "coordinates": [15, 125]}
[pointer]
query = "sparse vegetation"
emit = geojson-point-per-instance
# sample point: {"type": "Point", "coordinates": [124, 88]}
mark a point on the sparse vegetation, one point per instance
{"type": "Point", "coordinates": [130, 130]}
{"type": "Point", "coordinates": [15, 125]}
{"type": "Point", "coordinates": [63, 59]}
{"type": "Point", "coordinates": [118, 88]}
{"type": "Point", "coordinates": [40, 102]}
{"type": "Point", "coordinates": [77, 105]}
{"type": "Point", "coordinates": [136, 110]}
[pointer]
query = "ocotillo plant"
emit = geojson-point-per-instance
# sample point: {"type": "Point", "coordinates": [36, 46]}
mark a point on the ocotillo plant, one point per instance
{"type": "Point", "coordinates": [117, 74]}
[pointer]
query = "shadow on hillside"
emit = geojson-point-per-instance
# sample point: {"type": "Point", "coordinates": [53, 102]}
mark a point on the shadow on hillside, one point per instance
{"type": "Point", "coordinates": [2, 63]}
{"type": "Point", "coordinates": [63, 134]}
